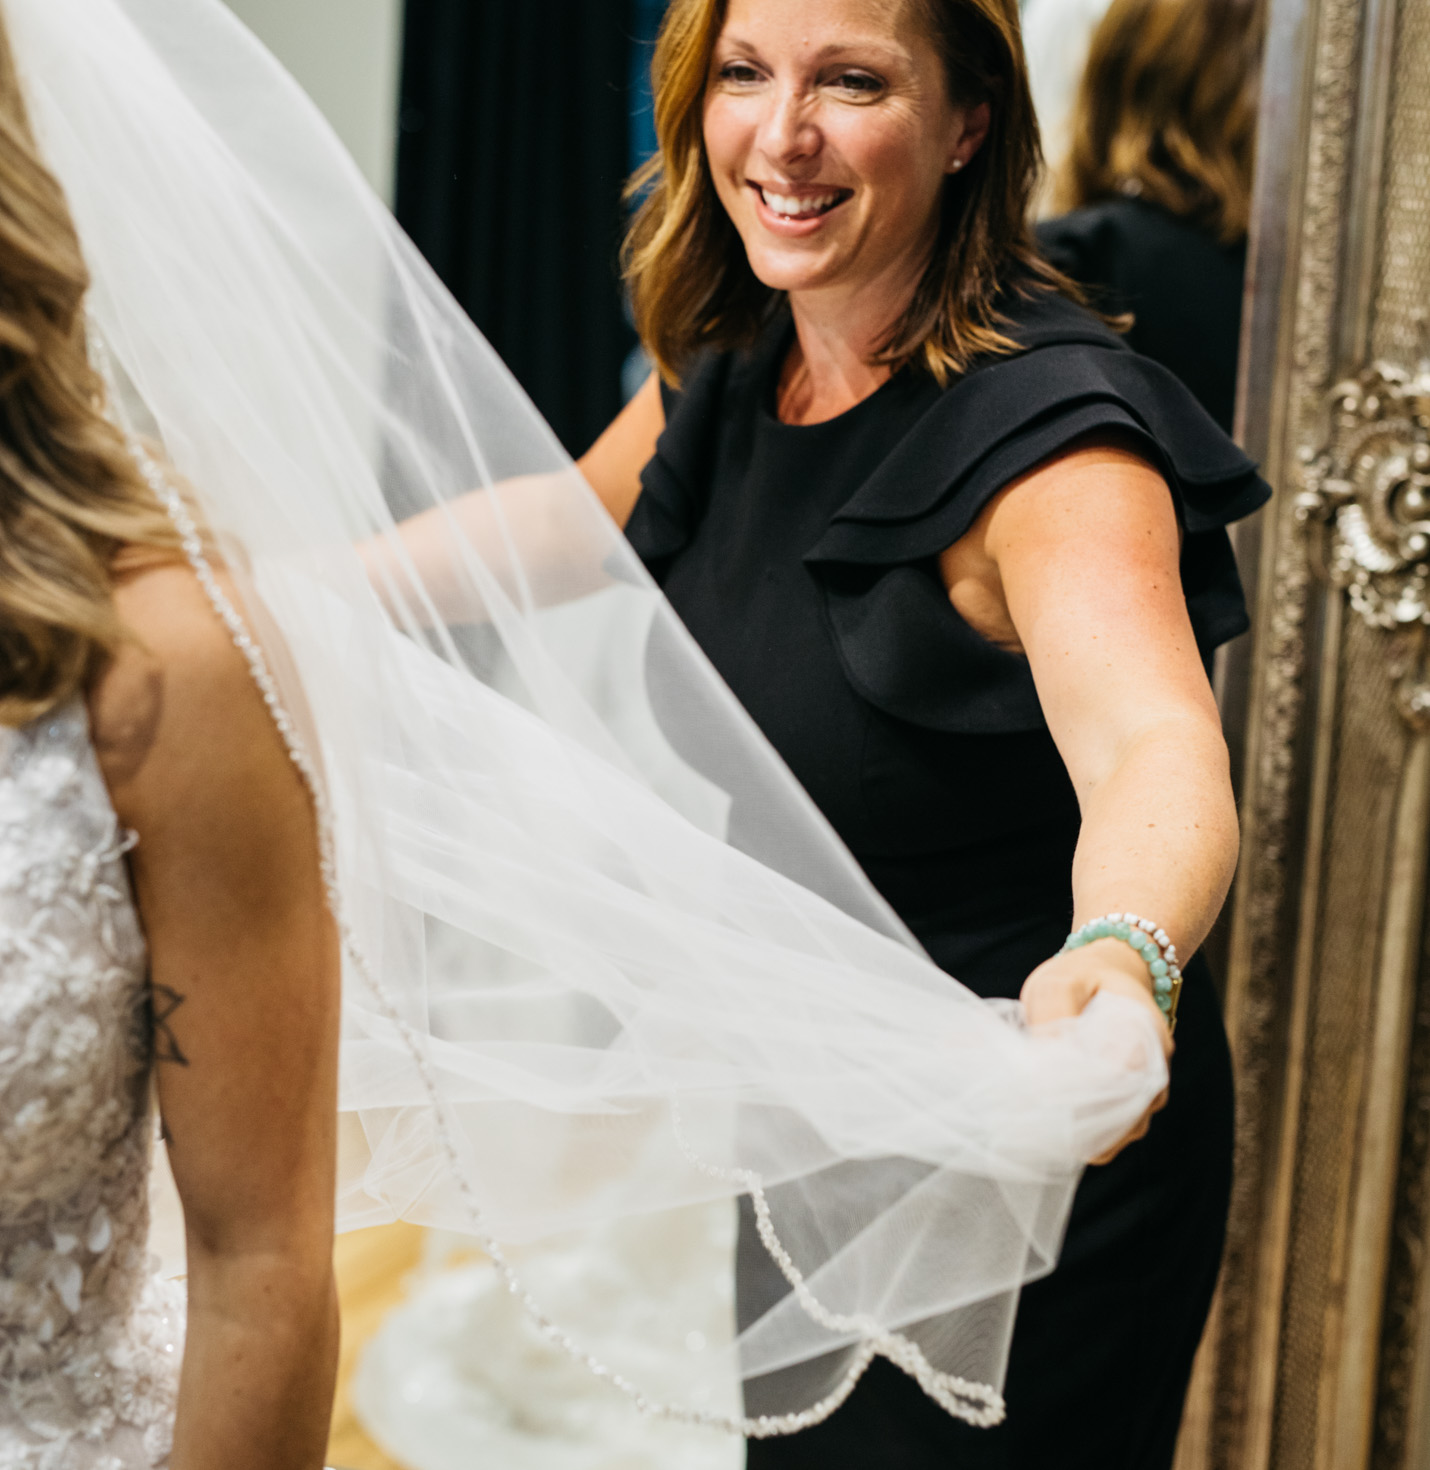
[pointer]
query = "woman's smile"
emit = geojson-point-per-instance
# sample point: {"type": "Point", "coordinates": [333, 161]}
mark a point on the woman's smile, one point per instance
{"type": "Point", "coordinates": [796, 210]}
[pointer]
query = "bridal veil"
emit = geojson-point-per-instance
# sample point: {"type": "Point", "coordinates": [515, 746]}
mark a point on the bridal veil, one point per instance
{"type": "Point", "coordinates": [571, 996]}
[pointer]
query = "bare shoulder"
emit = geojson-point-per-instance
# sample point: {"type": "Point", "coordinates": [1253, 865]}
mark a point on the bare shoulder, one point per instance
{"type": "Point", "coordinates": [1102, 481]}
{"type": "Point", "coordinates": [613, 464]}
{"type": "Point", "coordinates": [1098, 497]}
{"type": "Point", "coordinates": [176, 710]}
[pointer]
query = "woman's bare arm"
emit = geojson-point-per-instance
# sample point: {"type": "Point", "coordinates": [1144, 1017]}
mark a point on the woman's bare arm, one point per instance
{"type": "Point", "coordinates": [535, 510]}
{"type": "Point", "coordinates": [246, 978]}
{"type": "Point", "coordinates": [613, 464]}
{"type": "Point", "coordinates": [1078, 564]}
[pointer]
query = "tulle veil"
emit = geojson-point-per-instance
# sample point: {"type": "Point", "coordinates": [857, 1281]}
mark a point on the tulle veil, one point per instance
{"type": "Point", "coordinates": [570, 996]}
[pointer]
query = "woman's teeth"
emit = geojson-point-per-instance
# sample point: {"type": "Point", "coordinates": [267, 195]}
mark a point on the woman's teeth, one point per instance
{"type": "Point", "coordinates": [793, 208]}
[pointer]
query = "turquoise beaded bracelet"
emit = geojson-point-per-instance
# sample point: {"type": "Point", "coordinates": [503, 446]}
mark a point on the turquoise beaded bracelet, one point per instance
{"type": "Point", "coordinates": [1150, 942]}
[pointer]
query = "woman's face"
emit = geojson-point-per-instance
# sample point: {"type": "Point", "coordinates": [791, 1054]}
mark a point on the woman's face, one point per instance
{"type": "Point", "coordinates": [829, 132]}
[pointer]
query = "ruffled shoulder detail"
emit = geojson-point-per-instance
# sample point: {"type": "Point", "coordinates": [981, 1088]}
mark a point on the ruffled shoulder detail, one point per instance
{"type": "Point", "coordinates": [903, 645]}
{"type": "Point", "coordinates": [1007, 418]}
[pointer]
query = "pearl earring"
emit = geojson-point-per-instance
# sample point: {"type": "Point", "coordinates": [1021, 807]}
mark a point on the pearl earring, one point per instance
{"type": "Point", "coordinates": [956, 165]}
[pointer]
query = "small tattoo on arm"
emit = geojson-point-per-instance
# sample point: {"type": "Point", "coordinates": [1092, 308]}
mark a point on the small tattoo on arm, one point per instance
{"type": "Point", "coordinates": [163, 1002]}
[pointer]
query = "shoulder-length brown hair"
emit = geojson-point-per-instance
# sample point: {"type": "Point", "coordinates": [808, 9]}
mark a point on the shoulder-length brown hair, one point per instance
{"type": "Point", "coordinates": [690, 282]}
{"type": "Point", "coordinates": [71, 497]}
{"type": "Point", "coordinates": [1167, 111]}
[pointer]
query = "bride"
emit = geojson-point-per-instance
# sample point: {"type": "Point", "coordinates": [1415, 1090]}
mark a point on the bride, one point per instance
{"type": "Point", "coordinates": [414, 900]}
{"type": "Point", "coordinates": [134, 727]}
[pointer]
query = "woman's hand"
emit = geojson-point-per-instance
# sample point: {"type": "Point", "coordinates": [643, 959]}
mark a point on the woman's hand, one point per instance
{"type": "Point", "coordinates": [1078, 566]}
{"type": "Point", "coordinates": [1061, 987]}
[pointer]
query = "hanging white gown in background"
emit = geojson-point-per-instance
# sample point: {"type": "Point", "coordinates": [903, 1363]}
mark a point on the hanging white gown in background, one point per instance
{"type": "Point", "coordinates": [457, 1376]}
{"type": "Point", "coordinates": [1056, 35]}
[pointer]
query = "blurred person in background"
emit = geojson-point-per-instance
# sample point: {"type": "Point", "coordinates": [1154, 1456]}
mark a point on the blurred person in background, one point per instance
{"type": "Point", "coordinates": [1157, 187]}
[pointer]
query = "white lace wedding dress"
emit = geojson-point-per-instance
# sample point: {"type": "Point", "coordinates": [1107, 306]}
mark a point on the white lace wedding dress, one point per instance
{"type": "Point", "coordinates": [90, 1338]}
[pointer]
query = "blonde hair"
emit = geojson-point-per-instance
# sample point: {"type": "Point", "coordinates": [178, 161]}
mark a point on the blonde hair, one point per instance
{"type": "Point", "coordinates": [71, 497]}
{"type": "Point", "coordinates": [690, 282]}
{"type": "Point", "coordinates": [1167, 111]}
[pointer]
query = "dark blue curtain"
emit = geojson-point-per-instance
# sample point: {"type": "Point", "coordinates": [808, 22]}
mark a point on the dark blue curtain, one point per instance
{"type": "Point", "coordinates": [646, 16]}
{"type": "Point", "coordinates": [515, 143]}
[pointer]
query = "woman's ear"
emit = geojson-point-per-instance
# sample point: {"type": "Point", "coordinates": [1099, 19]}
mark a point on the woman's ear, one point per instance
{"type": "Point", "coordinates": [970, 129]}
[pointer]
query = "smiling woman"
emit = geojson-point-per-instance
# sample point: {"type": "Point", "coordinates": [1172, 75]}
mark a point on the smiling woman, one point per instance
{"type": "Point", "coordinates": [882, 101]}
{"type": "Point", "coordinates": [962, 555]}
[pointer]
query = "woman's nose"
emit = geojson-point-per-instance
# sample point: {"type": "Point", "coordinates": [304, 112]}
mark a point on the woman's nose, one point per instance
{"type": "Point", "coordinates": [789, 132]}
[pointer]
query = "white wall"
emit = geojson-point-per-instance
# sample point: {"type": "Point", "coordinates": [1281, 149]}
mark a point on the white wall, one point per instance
{"type": "Point", "coordinates": [346, 54]}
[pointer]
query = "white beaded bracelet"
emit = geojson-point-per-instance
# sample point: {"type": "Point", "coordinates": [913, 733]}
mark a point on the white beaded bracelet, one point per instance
{"type": "Point", "coordinates": [1150, 942]}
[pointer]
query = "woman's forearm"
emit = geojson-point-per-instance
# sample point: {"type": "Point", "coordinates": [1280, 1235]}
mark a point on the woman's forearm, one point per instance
{"type": "Point", "coordinates": [1159, 834]}
{"type": "Point", "coordinates": [259, 1365]}
{"type": "Point", "coordinates": [534, 536]}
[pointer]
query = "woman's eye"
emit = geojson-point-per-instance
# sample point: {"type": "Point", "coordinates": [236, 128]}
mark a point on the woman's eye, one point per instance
{"type": "Point", "coordinates": [858, 83]}
{"type": "Point", "coordinates": [738, 72]}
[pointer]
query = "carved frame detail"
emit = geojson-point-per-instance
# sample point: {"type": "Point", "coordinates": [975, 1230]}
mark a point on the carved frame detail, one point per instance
{"type": "Point", "coordinates": [1368, 492]}
{"type": "Point", "coordinates": [1318, 1353]}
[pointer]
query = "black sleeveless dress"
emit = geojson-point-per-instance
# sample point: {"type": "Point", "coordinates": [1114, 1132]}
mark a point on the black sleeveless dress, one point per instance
{"type": "Point", "coordinates": [802, 558]}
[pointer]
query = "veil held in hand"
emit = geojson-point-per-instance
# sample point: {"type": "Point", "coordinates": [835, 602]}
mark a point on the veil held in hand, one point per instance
{"type": "Point", "coordinates": [568, 997]}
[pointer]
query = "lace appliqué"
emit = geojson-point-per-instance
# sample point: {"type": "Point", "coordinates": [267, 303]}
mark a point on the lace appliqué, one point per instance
{"type": "Point", "coordinates": [90, 1341]}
